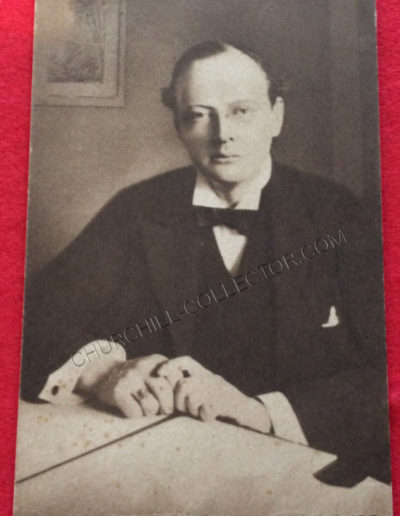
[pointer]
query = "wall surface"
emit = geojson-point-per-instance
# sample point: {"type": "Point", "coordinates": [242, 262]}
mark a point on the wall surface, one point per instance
{"type": "Point", "coordinates": [81, 156]}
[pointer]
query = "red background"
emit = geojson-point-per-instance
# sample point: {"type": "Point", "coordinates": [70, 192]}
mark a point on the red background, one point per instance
{"type": "Point", "coordinates": [16, 34]}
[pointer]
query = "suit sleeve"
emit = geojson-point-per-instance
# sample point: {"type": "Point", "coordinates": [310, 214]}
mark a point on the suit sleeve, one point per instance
{"type": "Point", "coordinates": [345, 412]}
{"type": "Point", "coordinates": [69, 293]}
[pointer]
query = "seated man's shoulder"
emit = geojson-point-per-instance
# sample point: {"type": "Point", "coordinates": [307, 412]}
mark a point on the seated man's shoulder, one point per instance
{"type": "Point", "coordinates": [173, 180]}
{"type": "Point", "coordinates": [156, 192]}
{"type": "Point", "coordinates": [313, 186]}
{"type": "Point", "coordinates": [320, 197]}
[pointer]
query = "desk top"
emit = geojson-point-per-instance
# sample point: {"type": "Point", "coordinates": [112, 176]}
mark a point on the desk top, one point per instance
{"type": "Point", "coordinates": [172, 466]}
{"type": "Point", "coordinates": [49, 435]}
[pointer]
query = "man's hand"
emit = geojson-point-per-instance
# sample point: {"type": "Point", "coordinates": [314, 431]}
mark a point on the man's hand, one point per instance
{"type": "Point", "coordinates": [132, 387]}
{"type": "Point", "coordinates": [204, 395]}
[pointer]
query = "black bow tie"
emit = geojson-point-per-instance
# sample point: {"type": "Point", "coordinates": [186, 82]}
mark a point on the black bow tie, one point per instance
{"type": "Point", "coordinates": [241, 220]}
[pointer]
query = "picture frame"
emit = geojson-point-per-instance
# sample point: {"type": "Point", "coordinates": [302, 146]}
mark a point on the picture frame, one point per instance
{"type": "Point", "coordinates": [85, 65]}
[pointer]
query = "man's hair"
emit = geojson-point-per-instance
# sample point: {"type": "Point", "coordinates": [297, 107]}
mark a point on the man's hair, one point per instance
{"type": "Point", "coordinates": [212, 48]}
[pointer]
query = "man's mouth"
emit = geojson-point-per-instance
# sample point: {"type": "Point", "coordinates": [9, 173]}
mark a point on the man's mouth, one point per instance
{"type": "Point", "coordinates": [221, 157]}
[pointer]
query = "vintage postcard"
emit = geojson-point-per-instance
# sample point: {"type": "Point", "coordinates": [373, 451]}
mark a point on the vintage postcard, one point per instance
{"type": "Point", "coordinates": [204, 324]}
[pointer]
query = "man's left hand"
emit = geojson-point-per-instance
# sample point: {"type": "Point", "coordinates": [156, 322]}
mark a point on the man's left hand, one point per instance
{"type": "Point", "coordinates": [204, 395]}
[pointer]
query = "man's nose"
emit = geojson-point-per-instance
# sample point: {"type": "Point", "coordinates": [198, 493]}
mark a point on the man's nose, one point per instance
{"type": "Point", "coordinates": [223, 130]}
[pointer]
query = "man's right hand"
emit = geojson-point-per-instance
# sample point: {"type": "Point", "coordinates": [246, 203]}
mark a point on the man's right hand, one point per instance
{"type": "Point", "coordinates": [131, 387]}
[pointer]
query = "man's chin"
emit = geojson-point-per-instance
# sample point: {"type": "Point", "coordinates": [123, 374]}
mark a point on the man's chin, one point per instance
{"type": "Point", "coordinates": [225, 174]}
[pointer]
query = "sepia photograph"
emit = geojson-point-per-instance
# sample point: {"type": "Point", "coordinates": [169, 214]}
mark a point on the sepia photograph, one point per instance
{"type": "Point", "coordinates": [204, 328]}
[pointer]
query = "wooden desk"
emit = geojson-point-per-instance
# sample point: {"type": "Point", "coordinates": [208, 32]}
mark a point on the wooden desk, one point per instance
{"type": "Point", "coordinates": [77, 460]}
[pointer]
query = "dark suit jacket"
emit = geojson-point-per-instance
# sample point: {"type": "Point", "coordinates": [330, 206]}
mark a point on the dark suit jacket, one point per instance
{"type": "Point", "coordinates": [137, 256]}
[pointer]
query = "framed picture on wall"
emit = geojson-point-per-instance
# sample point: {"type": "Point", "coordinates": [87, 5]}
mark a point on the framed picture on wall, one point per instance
{"type": "Point", "coordinates": [84, 65]}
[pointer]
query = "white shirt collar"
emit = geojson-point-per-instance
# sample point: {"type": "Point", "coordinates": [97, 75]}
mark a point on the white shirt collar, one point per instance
{"type": "Point", "coordinates": [205, 195]}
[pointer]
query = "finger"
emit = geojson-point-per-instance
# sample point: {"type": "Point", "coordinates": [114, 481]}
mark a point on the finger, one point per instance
{"type": "Point", "coordinates": [171, 374]}
{"type": "Point", "coordinates": [180, 367]}
{"type": "Point", "coordinates": [163, 392]}
{"type": "Point", "coordinates": [125, 390]}
{"type": "Point", "coordinates": [206, 413]}
{"type": "Point", "coordinates": [147, 401]}
{"type": "Point", "coordinates": [180, 393]}
{"type": "Point", "coordinates": [149, 363]}
{"type": "Point", "coordinates": [187, 364]}
{"type": "Point", "coordinates": [127, 404]}
{"type": "Point", "coordinates": [193, 404]}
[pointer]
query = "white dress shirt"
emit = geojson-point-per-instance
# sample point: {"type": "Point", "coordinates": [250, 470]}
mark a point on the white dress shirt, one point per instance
{"type": "Point", "coordinates": [231, 244]}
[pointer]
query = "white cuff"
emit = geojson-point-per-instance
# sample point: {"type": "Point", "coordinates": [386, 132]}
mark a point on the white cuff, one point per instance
{"type": "Point", "coordinates": [284, 420]}
{"type": "Point", "coordinates": [60, 384]}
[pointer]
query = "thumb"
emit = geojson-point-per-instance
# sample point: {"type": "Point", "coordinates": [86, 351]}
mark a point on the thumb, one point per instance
{"type": "Point", "coordinates": [207, 413]}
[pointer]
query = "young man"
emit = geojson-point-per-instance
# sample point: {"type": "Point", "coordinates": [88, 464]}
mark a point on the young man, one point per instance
{"type": "Point", "coordinates": [234, 288]}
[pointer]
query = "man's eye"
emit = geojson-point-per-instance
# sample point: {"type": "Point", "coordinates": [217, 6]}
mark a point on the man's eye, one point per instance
{"type": "Point", "coordinates": [242, 111]}
{"type": "Point", "coordinates": [193, 116]}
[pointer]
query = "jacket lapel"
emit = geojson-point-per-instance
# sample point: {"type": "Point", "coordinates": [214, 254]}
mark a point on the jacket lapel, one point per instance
{"type": "Point", "coordinates": [291, 230]}
{"type": "Point", "coordinates": [171, 250]}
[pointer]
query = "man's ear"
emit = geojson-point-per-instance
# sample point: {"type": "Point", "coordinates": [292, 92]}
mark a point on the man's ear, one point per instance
{"type": "Point", "coordinates": [278, 111]}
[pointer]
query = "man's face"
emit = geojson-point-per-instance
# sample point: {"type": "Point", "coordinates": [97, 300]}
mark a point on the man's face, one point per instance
{"type": "Point", "coordinates": [224, 116]}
